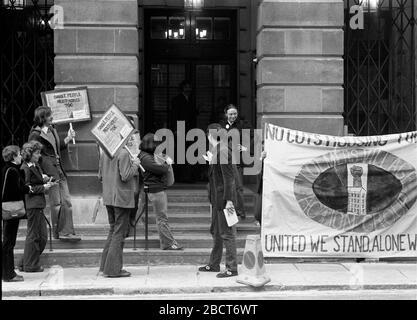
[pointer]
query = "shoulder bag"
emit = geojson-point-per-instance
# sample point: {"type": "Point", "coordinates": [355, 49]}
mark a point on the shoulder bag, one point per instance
{"type": "Point", "coordinates": [11, 209]}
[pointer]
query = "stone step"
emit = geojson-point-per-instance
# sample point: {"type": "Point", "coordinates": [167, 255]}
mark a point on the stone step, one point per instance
{"type": "Point", "coordinates": [91, 257]}
{"type": "Point", "coordinates": [201, 197]}
{"type": "Point", "coordinates": [247, 226]}
{"type": "Point", "coordinates": [191, 199]}
{"type": "Point", "coordinates": [96, 242]}
{"type": "Point", "coordinates": [177, 218]}
{"type": "Point", "coordinates": [192, 208]}
{"type": "Point", "coordinates": [68, 258]}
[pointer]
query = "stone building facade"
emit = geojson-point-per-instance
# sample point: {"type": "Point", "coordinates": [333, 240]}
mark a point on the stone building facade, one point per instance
{"type": "Point", "coordinates": [297, 80]}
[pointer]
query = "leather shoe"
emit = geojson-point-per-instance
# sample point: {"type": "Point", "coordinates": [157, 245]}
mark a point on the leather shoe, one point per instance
{"type": "Point", "coordinates": [122, 274]}
{"type": "Point", "coordinates": [38, 269]}
{"type": "Point", "coordinates": [174, 247]}
{"type": "Point", "coordinates": [70, 237]}
{"type": "Point", "coordinates": [227, 274]}
{"type": "Point", "coordinates": [208, 268]}
{"type": "Point", "coordinates": [16, 278]}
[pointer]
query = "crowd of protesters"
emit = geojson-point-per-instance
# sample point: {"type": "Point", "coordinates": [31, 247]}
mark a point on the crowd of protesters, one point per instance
{"type": "Point", "coordinates": [35, 175]}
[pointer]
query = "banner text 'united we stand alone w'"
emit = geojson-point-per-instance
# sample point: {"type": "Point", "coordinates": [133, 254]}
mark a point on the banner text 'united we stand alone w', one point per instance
{"type": "Point", "coordinates": [328, 196]}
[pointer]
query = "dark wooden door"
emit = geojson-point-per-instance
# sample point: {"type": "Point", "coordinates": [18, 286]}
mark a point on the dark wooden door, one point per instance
{"type": "Point", "coordinates": [199, 47]}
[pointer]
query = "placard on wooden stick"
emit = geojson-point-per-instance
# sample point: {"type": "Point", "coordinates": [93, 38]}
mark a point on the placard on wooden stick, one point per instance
{"type": "Point", "coordinates": [112, 131]}
{"type": "Point", "coordinates": [68, 105]}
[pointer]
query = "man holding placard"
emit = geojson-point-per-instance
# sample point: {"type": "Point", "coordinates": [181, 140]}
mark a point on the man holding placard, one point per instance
{"type": "Point", "coordinates": [59, 197]}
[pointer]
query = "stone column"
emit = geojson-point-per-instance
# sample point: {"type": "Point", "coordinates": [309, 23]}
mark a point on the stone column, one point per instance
{"type": "Point", "coordinates": [97, 48]}
{"type": "Point", "coordinates": [300, 65]}
{"type": "Point", "coordinates": [415, 61]}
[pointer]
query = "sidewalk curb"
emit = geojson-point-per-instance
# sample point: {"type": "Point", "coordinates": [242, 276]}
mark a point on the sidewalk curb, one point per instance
{"type": "Point", "coordinates": [193, 290]}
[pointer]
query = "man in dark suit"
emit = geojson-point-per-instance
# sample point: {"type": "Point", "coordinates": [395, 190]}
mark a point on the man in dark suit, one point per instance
{"type": "Point", "coordinates": [183, 109]}
{"type": "Point", "coordinates": [222, 194]}
{"type": "Point", "coordinates": [232, 122]}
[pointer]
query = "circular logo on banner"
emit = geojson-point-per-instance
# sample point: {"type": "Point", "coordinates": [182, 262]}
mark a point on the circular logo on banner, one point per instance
{"type": "Point", "coordinates": [356, 190]}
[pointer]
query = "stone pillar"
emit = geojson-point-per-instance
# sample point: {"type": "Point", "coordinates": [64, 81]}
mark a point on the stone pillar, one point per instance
{"type": "Point", "coordinates": [97, 48]}
{"type": "Point", "coordinates": [300, 65]}
{"type": "Point", "coordinates": [415, 62]}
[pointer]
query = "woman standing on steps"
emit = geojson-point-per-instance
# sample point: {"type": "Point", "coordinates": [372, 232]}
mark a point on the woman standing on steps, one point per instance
{"type": "Point", "coordinates": [38, 184]}
{"type": "Point", "coordinates": [154, 178]}
{"type": "Point", "coordinates": [51, 163]}
{"type": "Point", "coordinates": [14, 189]}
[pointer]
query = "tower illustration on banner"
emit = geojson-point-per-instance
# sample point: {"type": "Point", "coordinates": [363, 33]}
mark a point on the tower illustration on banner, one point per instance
{"type": "Point", "coordinates": [357, 188]}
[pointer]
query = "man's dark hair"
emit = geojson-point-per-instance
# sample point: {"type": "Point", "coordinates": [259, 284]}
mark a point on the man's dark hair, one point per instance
{"type": "Point", "coordinates": [230, 106]}
{"type": "Point", "coordinates": [183, 84]}
{"type": "Point", "coordinates": [212, 127]}
{"type": "Point", "coordinates": [217, 131]}
{"type": "Point", "coordinates": [41, 113]}
{"type": "Point", "coordinates": [148, 143]}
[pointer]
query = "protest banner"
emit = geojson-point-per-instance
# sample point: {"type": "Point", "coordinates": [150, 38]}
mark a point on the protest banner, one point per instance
{"type": "Point", "coordinates": [328, 196]}
{"type": "Point", "coordinates": [68, 105]}
{"type": "Point", "coordinates": [112, 131]}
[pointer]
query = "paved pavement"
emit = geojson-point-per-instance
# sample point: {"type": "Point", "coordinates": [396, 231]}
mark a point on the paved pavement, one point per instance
{"type": "Point", "coordinates": [186, 280]}
{"type": "Point", "coordinates": [392, 294]}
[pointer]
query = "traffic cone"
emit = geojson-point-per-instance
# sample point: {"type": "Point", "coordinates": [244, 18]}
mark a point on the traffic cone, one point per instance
{"type": "Point", "coordinates": [253, 272]}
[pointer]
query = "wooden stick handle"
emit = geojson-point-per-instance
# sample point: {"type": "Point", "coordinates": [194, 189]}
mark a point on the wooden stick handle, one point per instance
{"type": "Point", "coordinates": [73, 140]}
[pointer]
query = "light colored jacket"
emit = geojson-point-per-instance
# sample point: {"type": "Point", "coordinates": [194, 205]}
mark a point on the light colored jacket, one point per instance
{"type": "Point", "coordinates": [119, 177]}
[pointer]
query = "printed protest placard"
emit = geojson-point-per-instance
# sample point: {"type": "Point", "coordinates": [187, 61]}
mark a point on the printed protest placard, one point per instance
{"type": "Point", "coordinates": [113, 130]}
{"type": "Point", "coordinates": [68, 105]}
{"type": "Point", "coordinates": [132, 145]}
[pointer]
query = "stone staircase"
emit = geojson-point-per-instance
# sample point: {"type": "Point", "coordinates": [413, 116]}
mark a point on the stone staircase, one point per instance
{"type": "Point", "coordinates": [189, 218]}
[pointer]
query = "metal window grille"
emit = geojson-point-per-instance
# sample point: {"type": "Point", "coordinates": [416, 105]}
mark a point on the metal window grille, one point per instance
{"type": "Point", "coordinates": [26, 65]}
{"type": "Point", "coordinates": [380, 68]}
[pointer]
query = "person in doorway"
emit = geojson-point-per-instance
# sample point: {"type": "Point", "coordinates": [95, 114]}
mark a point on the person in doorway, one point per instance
{"type": "Point", "coordinates": [38, 184]}
{"type": "Point", "coordinates": [14, 189]}
{"type": "Point", "coordinates": [154, 178]}
{"type": "Point", "coordinates": [222, 195]}
{"type": "Point", "coordinates": [217, 113]}
{"type": "Point", "coordinates": [119, 179]}
{"type": "Point", "coordinates": [51, 164]}
{"type": "Point", "coordinates": [183, 109]}
{"type": "Point", "coordinates": [232, 122]}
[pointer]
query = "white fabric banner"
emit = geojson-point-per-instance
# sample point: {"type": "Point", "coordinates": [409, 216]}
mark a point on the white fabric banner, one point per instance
{"type": "Point", "coordinates": [328, 196]}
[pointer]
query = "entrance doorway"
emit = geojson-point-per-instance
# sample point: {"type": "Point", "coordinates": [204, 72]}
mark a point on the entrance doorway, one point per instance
{"type": "Point", "coordinates": [194, 46]}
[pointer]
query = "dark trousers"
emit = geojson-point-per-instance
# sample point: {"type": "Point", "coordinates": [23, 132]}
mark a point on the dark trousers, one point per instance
{"type": "Point", "coordinates": [222, 234]}
{"type": "Point", "coordinates": [134, 213]}
{"type": "Point", "coordinates": [112, 256]}
{"type": "Point", "coordinates": [240, 201]}
{"type": "Point", "coordinates": [36, 239]}
{"type": "Point", "coordinates": [9, 241]}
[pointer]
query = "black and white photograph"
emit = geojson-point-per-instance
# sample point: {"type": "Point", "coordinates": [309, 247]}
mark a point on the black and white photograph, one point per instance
{"type": "Point", "coordinates": [208, 157]}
